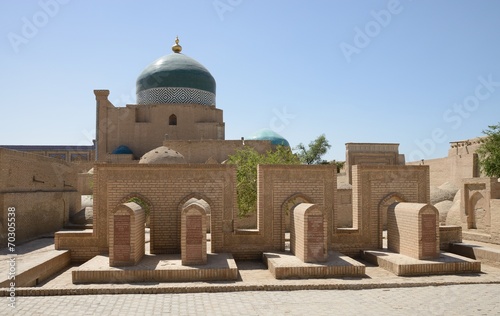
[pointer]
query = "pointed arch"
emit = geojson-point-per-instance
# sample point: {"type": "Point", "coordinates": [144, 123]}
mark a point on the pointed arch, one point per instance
{"type": "Point", "coordinates": [478, 212]}
{"type": "Point", "coordinates": [204, 200]}
{"type": "Point", "coordinates": [288, 205]}
{"type": "Point", "coordinates": [384, 203]}
{"type": "Point", "coordinates": [172, 120]}
{"type": "Point", "coordinates": [143, 201]}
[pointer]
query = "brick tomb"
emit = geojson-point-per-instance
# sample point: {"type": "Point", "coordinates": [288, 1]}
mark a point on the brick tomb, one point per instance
{"type": "Point", "coordinates": [413, 244]}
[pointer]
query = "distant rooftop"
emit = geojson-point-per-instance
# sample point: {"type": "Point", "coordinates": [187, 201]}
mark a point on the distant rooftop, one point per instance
{"type": "Point", "coordinates": [49, 147]}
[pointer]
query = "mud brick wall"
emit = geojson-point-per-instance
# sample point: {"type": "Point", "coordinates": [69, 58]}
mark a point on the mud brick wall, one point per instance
{"type": "Point", "coordinates": [42, 190]}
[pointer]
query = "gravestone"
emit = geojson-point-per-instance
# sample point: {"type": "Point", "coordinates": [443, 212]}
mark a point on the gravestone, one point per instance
{"type": "Point", "coordinates": [308, 237]}
{"type": "Point", "coordinates": [193, 234]}
{"type": "Point", "coordinates": [126, 235]}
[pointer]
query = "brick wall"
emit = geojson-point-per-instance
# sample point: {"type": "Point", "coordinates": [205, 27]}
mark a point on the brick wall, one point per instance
{"type": "Point", "coordinates": [371, 154]}
{"type": "Point", "coordinates": [41, 189]}
{"type": "Point", "coordinates": [200, 151]}
{"type": "Point", "coordinates": [344, 208]}
{"type": "Point", "coordinates": [25, 172]}
{"type": "Point", "coordinates": [372, 185]}
{"type": "Point", "coordinates": [461, 162]}
{"type": "Point", "coordinates": [85, 183]}
{"type": "Point", "coordinates": [451, 169]}
{"type": "Point", "coordinates": [479, 210]}
{"type": "Point", "coordinates": [143, 127]}
{"type": "Point", "coordinates": [277, 186]}
{"type": "Point", "coordinates": [36, 213]}
{"type": "Point", "coordinates": [165, 188]}
{"type": "Point", "coordinates": [82, 244]}
{"type": "Point", "coordinates": [449, 235]}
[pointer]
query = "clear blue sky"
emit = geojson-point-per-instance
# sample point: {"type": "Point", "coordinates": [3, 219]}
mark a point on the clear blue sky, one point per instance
{"type": "Point", "coordinates": [418, 73]}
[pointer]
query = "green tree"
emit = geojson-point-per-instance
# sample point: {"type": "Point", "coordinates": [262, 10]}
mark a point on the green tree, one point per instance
{"type": "Point", "coordinates": [489, 152]}
{"type": "Point", "coordinates": [246, 161]}
{"type": "Point", "coordinates": [340, 165]}
{"type": "Point", "coordinates": [312, 155]}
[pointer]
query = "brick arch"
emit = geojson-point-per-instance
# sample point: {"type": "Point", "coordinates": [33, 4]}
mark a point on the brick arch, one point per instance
{"type": "Point", "coordinates": [172, 120]}
{"type": "Point", "coordinates": [194, 195]}
{"type": "Point", "coordinates": [384, 203]}
{"type": "Point", "coordinates": [130, 196]}
{"type": "Point", "coordinates": [149, 205]}
{"type": "Point", "coordinates": [198, 196]}
{"type": "Point", "coordinates": [478, 211]}
{"type": "Point", "coordinates": [289, 204]}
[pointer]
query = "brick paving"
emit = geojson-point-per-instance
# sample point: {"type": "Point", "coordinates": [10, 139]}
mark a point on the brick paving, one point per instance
{"type": "Point", "coordinates": [478, 299]}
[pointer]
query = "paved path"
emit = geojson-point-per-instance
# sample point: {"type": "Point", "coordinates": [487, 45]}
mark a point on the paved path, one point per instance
{"type": "Point", "coordinates": [476, 299]}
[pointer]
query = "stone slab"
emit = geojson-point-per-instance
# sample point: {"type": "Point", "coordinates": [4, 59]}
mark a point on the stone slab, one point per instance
{"type": "Point", "coordinates": [29, 270]}
{"type": "Point", "coordinates": [401, 265]}
{"type": "Point", "coordinates": [284, 265]}
{"type": "Point", "coordinates": [157, 268]}
{"type": "Point", "coordinates": [476, 250]}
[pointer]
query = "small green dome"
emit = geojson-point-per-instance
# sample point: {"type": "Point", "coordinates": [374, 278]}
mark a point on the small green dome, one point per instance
{"type": "Point", "coordinates": [122, 150]}
{"type": "Point", "coordinates": [267, 134]}
{"type": "Point", "coordinates": [175, 78]}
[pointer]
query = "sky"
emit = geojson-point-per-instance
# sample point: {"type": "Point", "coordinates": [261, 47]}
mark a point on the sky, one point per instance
{"type": "Point", "coordinates": [420, 73]}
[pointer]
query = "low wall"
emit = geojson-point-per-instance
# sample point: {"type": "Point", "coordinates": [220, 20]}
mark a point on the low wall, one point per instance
{"type": "Point", "coordinates": [82, 244]}
{"type": "Point", "coordinates": [449, 235]}
{"type": "Point", "coordinates": [36, 213]}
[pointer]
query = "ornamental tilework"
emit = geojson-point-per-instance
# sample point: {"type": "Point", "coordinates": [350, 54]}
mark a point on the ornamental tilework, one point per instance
{"type": "Point", "coordinates": [175, 95]}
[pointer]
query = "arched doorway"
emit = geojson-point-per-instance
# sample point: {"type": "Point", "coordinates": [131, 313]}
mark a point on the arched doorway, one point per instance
{"type": "Point", "coordinates": [478, 213]}
{"type": "Point", "coordinates": [286, 208]}
{"type": "Point", "coordinates": [389, 199]}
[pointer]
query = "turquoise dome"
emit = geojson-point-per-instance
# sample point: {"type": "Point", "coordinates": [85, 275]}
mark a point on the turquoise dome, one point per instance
{"type": "Point", "coordinates": [175, 78]}
{"type": "Point", "coordinates": [267, 134]}
{"type": "Point", "coordinates": [122, 150]}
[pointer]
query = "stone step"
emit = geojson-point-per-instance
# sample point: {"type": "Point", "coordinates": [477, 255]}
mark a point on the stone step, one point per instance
{"type": "Point", "coordinates": [475, 251]}
{"type": "Point", "coordinates": [31, 265]}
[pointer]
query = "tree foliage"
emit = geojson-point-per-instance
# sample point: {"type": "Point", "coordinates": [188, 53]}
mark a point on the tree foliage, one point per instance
{"type": "Point", "coordinates": [340, 165]}
{"type": "Point", "coordinates": [246, 161]}
{"type": "Point", "coordinates": [141, 203]}
{"type": "Point", "coordinates": [489, 152]}
{"type": "Point", "coordinates": [312, 155]}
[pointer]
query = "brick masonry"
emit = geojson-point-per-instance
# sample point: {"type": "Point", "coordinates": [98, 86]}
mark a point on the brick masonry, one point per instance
{"type": "Point", "coordinates": [126, 235]}
{"type": "Point", "coordinates": [193, 234]}
{"type": "Point", "coordinates": [479, 207]}
{"type": "Point", "coordinates": [143, 127]}
{"type": "Point", "coordinates": [308, 234]}
{"type": "Point", "coordinates": [166, 189]}
{"type": "Point", "coordinates": [413, 230]}
{"type": "Point", "coordinates": [373, 187]}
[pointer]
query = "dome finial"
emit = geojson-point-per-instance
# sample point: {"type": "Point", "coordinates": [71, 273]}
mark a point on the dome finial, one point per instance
{"type": "Point", "coordinates": [176, 48]}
